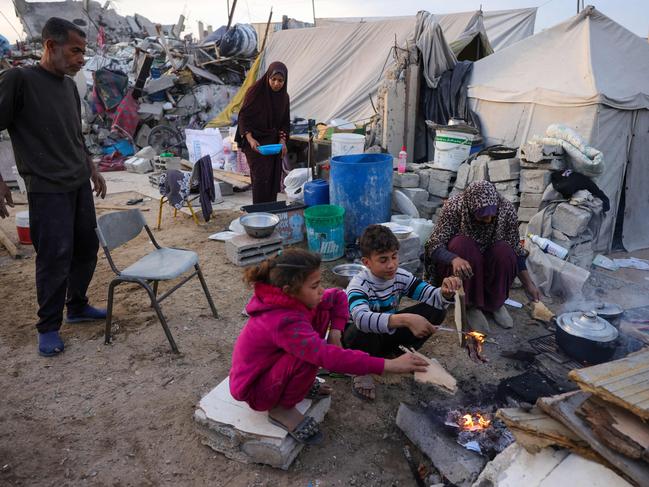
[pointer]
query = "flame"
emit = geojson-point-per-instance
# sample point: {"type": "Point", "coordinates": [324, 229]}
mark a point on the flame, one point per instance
{"type": "Point", "coordinates": [469, 424]}
{"type": "Point", "coordinates": [479, 340]}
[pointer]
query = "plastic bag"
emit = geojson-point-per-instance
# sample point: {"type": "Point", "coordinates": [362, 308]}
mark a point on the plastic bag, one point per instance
{"type": "Point", "coordinates": [206, 142]}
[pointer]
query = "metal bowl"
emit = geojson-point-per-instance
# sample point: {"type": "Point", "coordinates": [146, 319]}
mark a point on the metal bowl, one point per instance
{"type": "Point", "coordinates": [345, 272]}
{"type": "Point", "coordinates": [259, 225]}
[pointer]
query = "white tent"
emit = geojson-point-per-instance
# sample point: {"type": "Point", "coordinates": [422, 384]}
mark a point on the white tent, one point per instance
{"type": "Point", "coordinates": [503, 27]}
{"type": "Point", "coordinates": [591, 74]}
{"type": "Point", "coordinates": [336, 71]}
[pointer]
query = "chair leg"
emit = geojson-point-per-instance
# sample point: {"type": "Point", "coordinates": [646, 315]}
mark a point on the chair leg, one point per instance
{"type": "Point", "coordinates": [109, 310]}
{"type": "Point", "coordinates": [207, 291]}
{"type": "Point", "coordinates": [162, 200]}
{"type": "Point", "coordinates": [161, 317]}
{"type": "Point", "coordinates": [155, 288]}
{"type": "Point", "coordinates": [191, 210]}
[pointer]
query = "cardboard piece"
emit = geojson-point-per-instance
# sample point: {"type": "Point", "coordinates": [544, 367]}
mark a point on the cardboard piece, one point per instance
{"type": "Point", "coordinates": [435, 374]}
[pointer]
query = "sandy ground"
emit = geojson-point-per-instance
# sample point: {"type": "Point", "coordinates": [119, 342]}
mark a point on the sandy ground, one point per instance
{"type": "Point", "coordinates": [122, 414]}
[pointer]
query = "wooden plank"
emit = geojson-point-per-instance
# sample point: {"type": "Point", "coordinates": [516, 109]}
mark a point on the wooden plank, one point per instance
{"type": "Point", "coordinates": [616, 427]}
{"type": "Point", "coordinates": [9, 245]}
{"type": "Point", "coordinates": [624, 382]}
{"type": "Point", "coordinates": [563, 408]}
{"type": "Point", "coordinates": [232, 175]}
{"type": "Point", "coordinates": [108, 207]}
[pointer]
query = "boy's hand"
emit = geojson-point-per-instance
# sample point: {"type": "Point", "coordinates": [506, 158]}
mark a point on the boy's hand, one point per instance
{"type": "Point", "coordinates": [450, 286]}
{"type": "Point", "coordinates": [418, 325]}
{"type": "Point", "coordinates": [335, 338]}
{"type": "Point", "coordinates": [407, 362]}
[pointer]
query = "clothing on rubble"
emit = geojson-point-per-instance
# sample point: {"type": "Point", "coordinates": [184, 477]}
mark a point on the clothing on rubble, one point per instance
{"type": "Point", "coordinates": [569, 182]}
{"type": "Point", "coordinates": [205, 177]}
{"type": "Point", "coordinates": [126, 117]}
{"type": "Point", "coordinates": [109, 88]}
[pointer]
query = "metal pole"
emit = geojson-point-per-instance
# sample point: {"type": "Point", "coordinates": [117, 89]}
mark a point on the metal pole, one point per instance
{"type": "Point", "coordinates": [234, 5]}
{"type": "Point", "coordinates": [313, 6]}
{"type": "Point", "coordinates": [270, 17]}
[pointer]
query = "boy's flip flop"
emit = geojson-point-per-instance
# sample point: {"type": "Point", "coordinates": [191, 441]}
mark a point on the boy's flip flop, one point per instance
{"type": "Point", "coordinates": [307, 432]}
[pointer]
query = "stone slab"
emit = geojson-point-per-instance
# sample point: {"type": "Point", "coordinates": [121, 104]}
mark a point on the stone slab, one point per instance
{"type": "Point", "coordinates": [405, 180]}
{"type": "Point", "coordinates": [534, 180]}
{"type": "Point", "coordinates": [462, 176]}
{"type": "Point", "coordinates": [504, 169]}
{"type": "Point", "coordinates": [232, 428]}
{"type": "Point", "coordinates": [162, 83]}
{"type": "Point", "coordinates": [453, 461]}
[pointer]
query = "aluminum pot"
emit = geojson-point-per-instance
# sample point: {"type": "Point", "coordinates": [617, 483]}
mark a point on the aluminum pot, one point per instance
{"type": "Point", "coordinates": [586, 337]}
{"type": "Point", "coordinates": [611, 312]}
{"type": "Point", "coordinates": [259, 225]}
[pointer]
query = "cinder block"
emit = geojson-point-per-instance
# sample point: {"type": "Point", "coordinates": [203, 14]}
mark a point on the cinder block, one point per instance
{"type": "Point", "coordinates": [440, 182]}
{"type": "Point", "coordinates": [537, 152]}
{"type": "Point", "coordinates": [405, 180]}
{"type": "Point", "coordinates": [142, 137]}
{"type": "Point", "coordinates": [553, 164]}
{"type": "Point", "coordinates": [244, 250]}
{"type": "Point", "coordinates": [410, 248]}
{"type": "Point", "coordinates": [416, 195]}
{"type": "Point", "coordinates": [531, 200]}
{"type": "Point", "coordinates": [462, 177]}
{"type": "Point", "coordinates": [504, 169]}
{"type": "Point", "coordinates": [526, 214]}
{"type": "Point", "coordinates": [230, 427]}
{"type": "Point", "coordinates": [428, 208]}
{"type": "Point", "coordinates": [424, 178]}
{"type": "Point", "coordinates": [570, 219]}
{"type": "Point", "coordinates": [512, 198]}
{"type": "Point", "coordinates": [534, 180]}
{"type": "Point", "coordinates": [507, 186]}
{"type": "Point", "coordinates": [226, 188]}
{"type": "Point", "coordinates": [479, 170]}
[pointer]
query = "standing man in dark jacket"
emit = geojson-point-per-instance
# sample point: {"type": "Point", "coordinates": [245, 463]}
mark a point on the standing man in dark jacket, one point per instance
{"type": "Point", "coordinates": [40, 107]}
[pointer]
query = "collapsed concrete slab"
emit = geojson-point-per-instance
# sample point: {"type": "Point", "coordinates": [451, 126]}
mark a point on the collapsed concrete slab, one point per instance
{"type": "Point", "coordinates": [232, 428]}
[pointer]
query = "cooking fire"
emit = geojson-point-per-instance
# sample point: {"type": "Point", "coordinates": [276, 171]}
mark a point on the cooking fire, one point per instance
{"type": "Point", "coordinates": [477, 431]}
{"type": "Point", "coordinates": [475, 422]}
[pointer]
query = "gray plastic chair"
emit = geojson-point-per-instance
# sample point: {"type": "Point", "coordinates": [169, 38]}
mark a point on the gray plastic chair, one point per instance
{"type": "Point", "coordinates": [163, 264]}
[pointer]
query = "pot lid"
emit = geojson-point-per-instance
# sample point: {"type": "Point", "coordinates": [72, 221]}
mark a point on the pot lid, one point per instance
{"type": "Point", "coordinates": [608, 309]}
{"type": "Point", "coordinates": [587, 325]}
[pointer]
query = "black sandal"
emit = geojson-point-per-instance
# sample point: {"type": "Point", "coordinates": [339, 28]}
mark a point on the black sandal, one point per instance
{"type": "Point", "coordinates": [315, 393]}
{"type": "Point", "coordinates": [307, 432]}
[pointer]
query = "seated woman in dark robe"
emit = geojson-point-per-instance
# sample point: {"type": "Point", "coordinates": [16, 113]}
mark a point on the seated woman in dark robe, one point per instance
{"type": "Point", "coordinates": [476, 238]}
{"type": "Point", "coordinates": [264, 119]}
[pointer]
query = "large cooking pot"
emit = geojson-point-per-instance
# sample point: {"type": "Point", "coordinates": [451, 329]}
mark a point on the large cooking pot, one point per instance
{"type": "Point", "coordinates": [586, 337]}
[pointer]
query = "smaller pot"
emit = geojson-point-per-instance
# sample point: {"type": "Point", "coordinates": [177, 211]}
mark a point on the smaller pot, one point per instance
{"type": "Point", "coordinates": [611, 312]}
{"type": "Point", "coordinates": [586, 337]}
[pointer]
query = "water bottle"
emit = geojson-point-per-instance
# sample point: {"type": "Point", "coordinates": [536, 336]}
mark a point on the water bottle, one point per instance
{"type": "Point", "coordinates": [403, 155]}
{"type": "Point", "coordinates": [548, 246]}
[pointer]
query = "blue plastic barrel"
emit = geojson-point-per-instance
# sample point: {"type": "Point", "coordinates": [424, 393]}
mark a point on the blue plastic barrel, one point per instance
{"type": "Point", "coordinates": [362, 184]}
{"type": "Point", "coordinates": [316, 192]}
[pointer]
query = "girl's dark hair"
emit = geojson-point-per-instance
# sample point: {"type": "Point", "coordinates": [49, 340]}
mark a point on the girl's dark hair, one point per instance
{"type": "Point", "coordinates": [290, 268]}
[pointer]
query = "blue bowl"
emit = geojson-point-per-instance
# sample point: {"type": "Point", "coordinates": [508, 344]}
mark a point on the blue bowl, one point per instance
{"type": "Point", "coordinates": [270, 149]}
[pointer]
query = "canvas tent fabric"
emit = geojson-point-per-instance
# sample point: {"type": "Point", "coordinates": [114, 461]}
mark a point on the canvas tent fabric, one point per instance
{"type": "Point", "coordinates": [590, 74]}
{"type": "Point", "coordinates": [334, 71]}
{"type": "Point", "coordinates": [503, 27]}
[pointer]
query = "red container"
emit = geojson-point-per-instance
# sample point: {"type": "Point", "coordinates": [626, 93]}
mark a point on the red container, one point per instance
{"type": "Point", "coordinates": [22, 227]}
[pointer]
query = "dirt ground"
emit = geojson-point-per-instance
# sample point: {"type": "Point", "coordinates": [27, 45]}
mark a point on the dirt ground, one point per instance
{"type": "Point", "coordinates": [121, 414]}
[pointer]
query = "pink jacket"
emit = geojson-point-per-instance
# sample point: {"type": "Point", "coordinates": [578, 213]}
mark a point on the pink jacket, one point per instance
{"type": "Point", "coordinates": [281, 324]}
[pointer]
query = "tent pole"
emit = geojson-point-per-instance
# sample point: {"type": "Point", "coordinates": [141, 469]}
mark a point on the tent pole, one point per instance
{"type": "Point", "coordinates": [270, 17]}
{"type": "Point", "coordinates": [313, 7]}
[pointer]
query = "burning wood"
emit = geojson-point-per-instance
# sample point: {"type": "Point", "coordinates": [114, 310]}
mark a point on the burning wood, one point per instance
{"type": "Point", "coordinates": [477, 431]}
{"type": "Point", "coordinates": [474, 343]}
{"type": "Point", "coordinates": [467, 422]}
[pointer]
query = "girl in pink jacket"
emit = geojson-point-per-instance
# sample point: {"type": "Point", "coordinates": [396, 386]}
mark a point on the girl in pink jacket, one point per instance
{"type": "Point", "coordinates": [279, 351]}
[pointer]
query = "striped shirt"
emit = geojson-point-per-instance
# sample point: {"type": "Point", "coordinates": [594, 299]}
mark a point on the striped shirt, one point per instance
{"type": "Point", "coordinates": [372, 300]}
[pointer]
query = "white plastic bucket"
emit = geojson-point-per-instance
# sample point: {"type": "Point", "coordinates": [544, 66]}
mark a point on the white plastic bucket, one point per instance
{"type": "Point", "coordinates": [345, 144]}
{"type": "Point", "coordinates": [22, 227]}
{"type": "Point", "coordinates": [404, 220]}
{"type": "Point", "coordinates": [451, 149]}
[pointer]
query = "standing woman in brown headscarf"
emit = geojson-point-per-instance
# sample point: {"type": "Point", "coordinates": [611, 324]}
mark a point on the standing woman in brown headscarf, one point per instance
{"type": "Point", "coordinates": [264, 118]}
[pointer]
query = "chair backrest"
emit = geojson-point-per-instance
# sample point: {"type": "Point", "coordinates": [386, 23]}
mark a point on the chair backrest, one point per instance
{"type": "Point", "coordinates": [115, 229]}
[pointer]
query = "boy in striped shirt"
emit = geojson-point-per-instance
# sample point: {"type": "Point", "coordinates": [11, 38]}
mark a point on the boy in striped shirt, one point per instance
{"type": "Point", "coordinates": [374, 295]}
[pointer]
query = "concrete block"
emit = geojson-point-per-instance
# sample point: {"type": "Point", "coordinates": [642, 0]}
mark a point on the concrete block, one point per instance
{"type": "Point", "coordinates": [531, 200]}
{"type": "Point", "coordinates": [154, 110]}
{"type": "Point", "coordinates": [453, 461]}
{"type": "Point", "coordinates": [553, 164]}
{"type": "Point", "coordinates": [522, 230]}
{"type": "Point", "coordinates": [512, 198]}
{"type": "Point", "coordinates": [416, 195]}
{"type": "Point", "coordinates": [479, 170]}
{"type": "Point", "coordinates": [244, 250]}
{"type": "Point", "coordinates": [226, 188]}
{"type": "Point", "coordinates": [534, 180]}
{"type": "Point", "coordinates": [462, 177]}
{"type": "Point", "coordinates": [570, 219]}
{"type": "Point", "coordinates": [405, 180]}
{"type": "Point", "coordinates": [162, 83]}
{"type": "Point", "coordinates": [526, 214]}
{"type": "Point", "coordinates": [142, 137]}
{"type": "Point", "coordinates": [233, 429]}
{"type": "Point", "coordinates": [424, 178]}
{"type": "Point", "coordinates": [138, 165]}
{"type": "Point", "coordinates": [454, 191]}
{"type": "Point", "coordinates": [504, 169]}
{"type": "Point", "coordinates": [410, 248]}
{"type": "Point", "coordinates": [440, 182]}
{"type": "Point", "coordinates": [537, 152]}
{"type": "Point", "coordinates": [507, 186]}
{"type": "Point", "coordinates": [426, 209]}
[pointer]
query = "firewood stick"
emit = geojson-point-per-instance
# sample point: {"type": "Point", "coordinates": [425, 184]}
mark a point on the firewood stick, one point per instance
{"type": "Point", "coordinates": [9, 245]}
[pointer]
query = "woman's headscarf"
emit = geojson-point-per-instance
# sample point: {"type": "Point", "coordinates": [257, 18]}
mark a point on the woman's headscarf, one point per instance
{"type": "Point", "coordinates": [264, 112]}
{"type": "Point", "coordinates": [458, 217]}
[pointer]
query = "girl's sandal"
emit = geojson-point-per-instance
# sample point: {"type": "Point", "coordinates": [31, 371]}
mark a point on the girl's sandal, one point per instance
{"type": "Point", "coordinates": [315, 391]}
{"type": "Point", "coordinates": [307, 432]}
